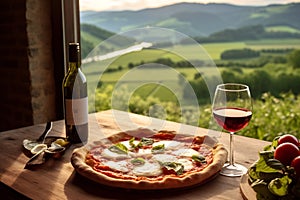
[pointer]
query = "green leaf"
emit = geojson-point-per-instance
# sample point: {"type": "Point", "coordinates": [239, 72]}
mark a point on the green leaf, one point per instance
{"type": "Point", "coordinates": [134, 146]}
{"type": "Point", "coordinates": [261, 188]}
{"type": "Point", "coordinates": [267, 177]}
{"type": "Point", "coordinates": [138, 161]}
{"type": "Point", "coordinates": [199, 158]}
{"type": "Point", "coordinates": [275, 164]}
{"type": "Point", "coordinates": [261, 170]}
{"type": "Point", "coordinates": [266, 155]}
{"type": "Point", "coordinates": [118, 148]}
{"type": "Point", "coordinates": [143, 142]}
{"type": "Point", "coordinates": [158, 148]}
{"type": "Point", "coordinates": [279, 186]}
{"type": "Point", "coordinates": [131, 142]}
{"type": "Point", "coordinates": [272, 146]}
{"type": "Point", "coordinates": [275, 141]}
{"type": "Point", "coordinates": [147, 141]}
{"type": "Point", "coordinates": [176, 167]}
{"type": "Point", "coordinates": [261, 164]}
{"type": "Point", "coordinates": [253, 175]}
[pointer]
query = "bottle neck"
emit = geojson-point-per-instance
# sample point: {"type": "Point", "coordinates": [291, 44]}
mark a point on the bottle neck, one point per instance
{"type": "Point", "coordinates": [74, 57]}
{"type": "Point", "coordinates": [73, 66]}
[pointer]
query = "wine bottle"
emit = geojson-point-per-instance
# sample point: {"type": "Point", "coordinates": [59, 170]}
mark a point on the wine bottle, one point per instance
{"type": "Point", "coordinates": [75, 98]}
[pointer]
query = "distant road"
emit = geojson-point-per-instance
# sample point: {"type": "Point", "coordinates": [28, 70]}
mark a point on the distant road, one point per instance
{"type": "Point", "coordinates": [113, 54]}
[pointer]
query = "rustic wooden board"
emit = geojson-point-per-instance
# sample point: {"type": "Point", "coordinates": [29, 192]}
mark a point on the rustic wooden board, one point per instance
{"type": "Point", "coordinates": [246, 190]}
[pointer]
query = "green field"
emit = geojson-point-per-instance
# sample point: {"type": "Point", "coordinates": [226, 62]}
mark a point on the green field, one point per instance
{"type": "Point", "coordinates": [91, 38]}
{"type": "Point", "coordinates": [215, 49]}
{"type": "Point", "coordinates": [274, 44]}
{"type": "Point", "coordinates": [146, 81]}
{"type": "Point", "coordinates": [269, 11]}
{"type": "Point", "coordinates": [282, 29]}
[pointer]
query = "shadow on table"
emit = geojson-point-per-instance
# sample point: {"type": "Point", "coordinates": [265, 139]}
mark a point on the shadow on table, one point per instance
{"type": "Point", "coordinates": [93, 190]}
{"type": "Point", "coordinates": [10, 194]}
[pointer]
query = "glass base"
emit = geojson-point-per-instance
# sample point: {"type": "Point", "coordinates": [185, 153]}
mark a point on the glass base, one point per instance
{"type": "Point", "coordinates": [233, 170]}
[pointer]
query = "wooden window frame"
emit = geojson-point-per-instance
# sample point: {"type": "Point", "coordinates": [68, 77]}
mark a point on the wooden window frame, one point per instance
{"type": "Point", "coordinates": [65, 29]}
{"type": "Point", "coordinates": [71, 23]}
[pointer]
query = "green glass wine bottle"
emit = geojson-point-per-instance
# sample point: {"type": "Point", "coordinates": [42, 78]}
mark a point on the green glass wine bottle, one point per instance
{"type": "Point", "coordinates": [75, 98]}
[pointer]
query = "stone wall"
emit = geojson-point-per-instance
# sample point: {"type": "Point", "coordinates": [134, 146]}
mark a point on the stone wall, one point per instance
{"type": "Point", "coordinates": [39, 34]}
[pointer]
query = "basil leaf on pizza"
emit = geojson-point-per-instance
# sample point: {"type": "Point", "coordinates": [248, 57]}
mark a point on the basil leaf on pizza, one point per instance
{"type": "Point", "coordinates": [173, 166]}
{"type": "Point", "coordinates": [134, 144]}
{"type": "Point", "coordinates": [138, 161]}
{"type": "Point", "coordinates": [118, 148]}
{"type": "Point", "coordinates": [147, 141]}
{"type": "Point", "coordinates": [199, 159]}
{"type": "Point", "coordinates": [148, 160]}
{"type": "Point", "coordinates": [158, 148]}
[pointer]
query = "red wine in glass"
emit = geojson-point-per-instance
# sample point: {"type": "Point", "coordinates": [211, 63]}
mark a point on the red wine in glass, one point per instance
{"type": "Point", "coordinates": [232, 110]}
{"type": "Point", "coordinates": [232, 119]}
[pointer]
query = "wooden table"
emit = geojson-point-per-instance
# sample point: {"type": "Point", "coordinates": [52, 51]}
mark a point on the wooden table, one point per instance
{"type": "Point", "coordinates": [57, 179]}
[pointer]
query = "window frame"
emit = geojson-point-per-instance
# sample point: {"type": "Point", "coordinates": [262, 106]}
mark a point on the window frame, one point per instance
{"type": "Point", "coordinates": [65, 29]}
{"type": "Point", "coordinates": [71, 23]}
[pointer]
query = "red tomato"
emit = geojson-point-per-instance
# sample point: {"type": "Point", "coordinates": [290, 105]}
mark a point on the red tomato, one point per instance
{"type": "Point", "coordinates": [286, 152]}
{"type": "Point", "coordinates": [288, 138]}
{"type": "Point", "coordinates": [296, 165]}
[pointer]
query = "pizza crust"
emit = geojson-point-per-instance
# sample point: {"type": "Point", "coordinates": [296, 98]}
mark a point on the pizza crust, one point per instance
{"type": "Point", "coordinates": [219, 158]}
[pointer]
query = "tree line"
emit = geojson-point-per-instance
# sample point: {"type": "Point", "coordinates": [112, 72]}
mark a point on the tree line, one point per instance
{"type": "Point", "coordinates": [260, 81]}
{"type": "Point", "coordinates": [229, 58]}
{"type": "Point", "coordinates": [254, 32]}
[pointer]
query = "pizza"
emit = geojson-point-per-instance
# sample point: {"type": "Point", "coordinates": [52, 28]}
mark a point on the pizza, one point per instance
{"type": "Point", "coordinates": [143, 159]}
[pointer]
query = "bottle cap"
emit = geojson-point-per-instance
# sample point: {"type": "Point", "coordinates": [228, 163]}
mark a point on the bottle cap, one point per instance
{"type": "Point", "coordinates": [74, 52]}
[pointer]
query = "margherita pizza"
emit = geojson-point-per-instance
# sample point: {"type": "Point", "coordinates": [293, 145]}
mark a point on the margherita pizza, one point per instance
{"type": "Point", "coordinates": [148, 160]}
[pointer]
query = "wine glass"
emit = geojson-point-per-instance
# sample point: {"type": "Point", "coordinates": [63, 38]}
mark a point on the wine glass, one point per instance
{"type": "Point", "coordinates": [232, 110]}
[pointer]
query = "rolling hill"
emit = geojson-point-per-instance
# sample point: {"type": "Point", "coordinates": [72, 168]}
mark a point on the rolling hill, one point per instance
{"type": "Point", "coordinates": [196, 19]}
{"type": "Point", "coordinates": [91, 36]}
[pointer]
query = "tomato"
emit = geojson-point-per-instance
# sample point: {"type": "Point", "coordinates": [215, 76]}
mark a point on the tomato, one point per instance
{"type": "Point", "coordinates": [286, 152]}
{"type": "Point", "coordinates": [288, 138]}
{"type": "Point", "coordinates": [296, 165]}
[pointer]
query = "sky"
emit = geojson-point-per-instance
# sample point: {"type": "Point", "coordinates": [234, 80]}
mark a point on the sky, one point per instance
{"type": "Point", "coordinates": [102, 5]}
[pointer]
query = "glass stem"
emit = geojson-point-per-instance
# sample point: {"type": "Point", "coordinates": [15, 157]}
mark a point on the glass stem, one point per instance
{"type": "Point", "coordinates": [231, 155]}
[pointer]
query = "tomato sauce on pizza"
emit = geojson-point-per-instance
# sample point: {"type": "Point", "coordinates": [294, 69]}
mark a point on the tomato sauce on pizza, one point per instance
{"type": "Point", "coordinates": [150, 158]}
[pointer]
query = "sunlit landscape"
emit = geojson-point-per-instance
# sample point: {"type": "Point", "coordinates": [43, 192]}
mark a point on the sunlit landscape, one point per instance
{"type": "Point", "coordinates": [260, 49]}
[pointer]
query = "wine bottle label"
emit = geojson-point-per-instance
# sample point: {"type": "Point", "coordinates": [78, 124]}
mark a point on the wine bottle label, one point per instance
{"type": "Point", "coordinates": [76, 111]}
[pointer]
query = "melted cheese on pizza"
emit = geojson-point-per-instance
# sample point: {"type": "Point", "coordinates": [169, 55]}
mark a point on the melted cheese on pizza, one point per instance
{"type": "Point", "coordinates": [139, 161]}
{"type": "Point", "coordinates": [148, 169]}
{"type": "Point", "coordinates": [122, 166]}
{"type": "Point", "coordinates": [169, 144]}
{"type": "Point", "coordinates": [112, 155]}
{"type": "Point", "coordinates": [164, 158]}
{"type": "Point", "coordinates": [185, 152]}
{"type": "Point", "coordinates": [142, 153]}
{"type": "Point", "coordinates": [187, 164]}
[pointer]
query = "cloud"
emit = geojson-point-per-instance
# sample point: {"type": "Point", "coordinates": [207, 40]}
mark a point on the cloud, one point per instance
{"type": "Point", "coordinates": [140, 4]}
{"type": "Point", "coordinates": [122, 4]}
